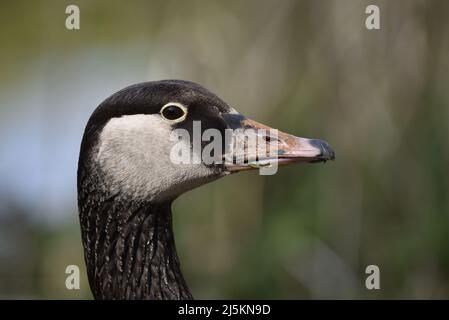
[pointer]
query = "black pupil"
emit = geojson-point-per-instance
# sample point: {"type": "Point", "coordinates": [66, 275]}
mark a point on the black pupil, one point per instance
{"type": "Point", "coordinates": [172, 112]}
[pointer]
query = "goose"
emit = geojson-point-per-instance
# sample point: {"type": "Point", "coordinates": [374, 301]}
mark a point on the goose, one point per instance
{"type": "Point", "coordinates": [127, 181]}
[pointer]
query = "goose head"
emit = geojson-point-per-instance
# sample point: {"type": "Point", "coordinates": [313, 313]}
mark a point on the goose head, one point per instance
{"type": "Point", "coordinates": [143, 147]}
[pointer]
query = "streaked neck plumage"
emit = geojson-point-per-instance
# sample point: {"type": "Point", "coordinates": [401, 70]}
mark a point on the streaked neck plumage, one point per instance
{"type": "Point", "coordinates": [129, 246]}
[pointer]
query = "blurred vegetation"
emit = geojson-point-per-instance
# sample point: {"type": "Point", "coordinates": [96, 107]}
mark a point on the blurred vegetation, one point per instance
{"type": "Point", "coordinates": [307, 67]}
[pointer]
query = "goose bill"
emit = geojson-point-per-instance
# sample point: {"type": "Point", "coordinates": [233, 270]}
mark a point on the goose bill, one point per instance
{"type": "Point", "coordinates": [280, 147]}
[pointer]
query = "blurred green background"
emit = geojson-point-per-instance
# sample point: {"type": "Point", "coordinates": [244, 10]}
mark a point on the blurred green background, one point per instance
{"type": "Point", "coordinates": [380, 98]}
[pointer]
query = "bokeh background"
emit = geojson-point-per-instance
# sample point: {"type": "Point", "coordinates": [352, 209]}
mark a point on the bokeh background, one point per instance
{"type": "Point", "coordinates": [307, 67]}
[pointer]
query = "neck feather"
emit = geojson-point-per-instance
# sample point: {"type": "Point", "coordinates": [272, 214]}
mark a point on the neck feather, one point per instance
{"type": "Point", "coordinates": [129, 248]}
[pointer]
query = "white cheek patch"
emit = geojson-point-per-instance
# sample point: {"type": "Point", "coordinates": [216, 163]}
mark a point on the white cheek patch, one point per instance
{"type": "Point", "coordinates": [134, 154]}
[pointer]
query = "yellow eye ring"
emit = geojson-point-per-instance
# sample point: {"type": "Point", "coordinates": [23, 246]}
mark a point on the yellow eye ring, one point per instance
{"type": "Point", "coordinates": [173, 112]}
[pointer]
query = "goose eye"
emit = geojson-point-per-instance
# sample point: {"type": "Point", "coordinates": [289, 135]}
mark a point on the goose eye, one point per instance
{"type": "Point", "coordinates": [174, 112]}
